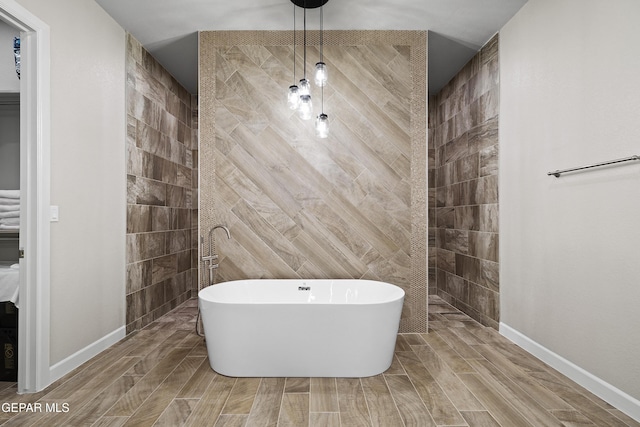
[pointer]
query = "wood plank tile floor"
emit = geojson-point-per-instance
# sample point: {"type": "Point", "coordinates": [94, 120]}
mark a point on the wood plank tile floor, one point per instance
{"type": "Point", "coordinates": [460, 374]}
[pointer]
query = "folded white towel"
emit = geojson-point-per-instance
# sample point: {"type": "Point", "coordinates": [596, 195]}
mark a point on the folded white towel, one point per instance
{"type": "Point", "coordinates": [15, 266]}
{"type": "Point", "coordinates": [9, 227]}
{"type": "Point", "coordinates": [10, 214]}
{"type": "Point", "coordinates": [8, 208]}
{"type": "Point", "coordinates": [4, 201]}
{"type": "Point", "coordinates": [10, 194]}
{"type": "Point", "coordinates": [10, 221]}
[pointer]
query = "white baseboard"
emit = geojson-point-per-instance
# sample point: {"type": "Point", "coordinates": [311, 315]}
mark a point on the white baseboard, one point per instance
{"type": "Point", "coordinates": [610, 394]}
{"type": "Point", "coordinates": [67, 365]}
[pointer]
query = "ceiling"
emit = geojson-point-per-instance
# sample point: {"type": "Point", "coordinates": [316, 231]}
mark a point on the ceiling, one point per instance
{"type": "Point", "coordinates": [168, 28]}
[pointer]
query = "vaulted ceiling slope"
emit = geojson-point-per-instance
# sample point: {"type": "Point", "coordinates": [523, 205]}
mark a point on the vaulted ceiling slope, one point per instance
{"type": "Point", "coordinates": [168, 28]}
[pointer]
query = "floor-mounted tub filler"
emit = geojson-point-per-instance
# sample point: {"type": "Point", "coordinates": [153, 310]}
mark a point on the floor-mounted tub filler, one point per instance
{"type": "Point", "coordinates": [301, 328]}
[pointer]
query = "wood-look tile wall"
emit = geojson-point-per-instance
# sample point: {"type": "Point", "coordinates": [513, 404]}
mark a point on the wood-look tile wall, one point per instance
{"type": "Point", "coordinates": [463, 190]}
{"type": "Point", "coordinates": [161, 182]}
{"type": "Point", "coordinates": [350, 206]}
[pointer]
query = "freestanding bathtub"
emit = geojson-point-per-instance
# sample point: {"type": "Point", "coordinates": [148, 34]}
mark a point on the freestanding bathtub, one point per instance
{"type": "Point", "coordinates": [300, 328]}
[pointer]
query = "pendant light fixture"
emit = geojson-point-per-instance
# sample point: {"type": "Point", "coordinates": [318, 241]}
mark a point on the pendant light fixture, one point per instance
{"type": "Point", "coordinates": [322, 121]}
{"type": "Point", "coordinates": [306, 107]}
{"type": "Point", "coordinates": [322, 126]}
{"type": "Point", "coordinates": [321, 67]}
{"type": "Point", "coordinates": [299, 97]}
{"type": "Point", "coordinates": [293, 97]}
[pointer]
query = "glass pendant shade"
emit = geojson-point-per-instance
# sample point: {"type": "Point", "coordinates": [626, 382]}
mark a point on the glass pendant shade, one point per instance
{"type": "Point", "coordinates": [299, 96]}
{"type": "Point", "coordinates": [305, 87]}
{"type": "Point", "coordinates": [321, 74]}
{"type": "Point", "coordinates": [306, 108]}
{"type": "Point", "coordinates": [293, 97]}
{"type": "Point", "coordinates": [322, 126]}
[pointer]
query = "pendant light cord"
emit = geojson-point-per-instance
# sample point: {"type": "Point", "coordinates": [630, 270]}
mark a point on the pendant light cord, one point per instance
{"type": "Point", "coordinates": [321, 56]}
{"type": "Point", "coordinates": [321, 33]}
{"type": "Point", "coordinates": [294, 43]}
{"type": "Point", "coordinates": [305, 39]}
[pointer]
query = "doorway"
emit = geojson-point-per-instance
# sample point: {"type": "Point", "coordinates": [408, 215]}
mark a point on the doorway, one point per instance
{"type": "Point", "coordinates": [33, 320]}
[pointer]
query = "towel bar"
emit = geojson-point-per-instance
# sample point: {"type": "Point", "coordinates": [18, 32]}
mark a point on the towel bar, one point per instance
{"type": "Point", "coordinates": [610, 162]}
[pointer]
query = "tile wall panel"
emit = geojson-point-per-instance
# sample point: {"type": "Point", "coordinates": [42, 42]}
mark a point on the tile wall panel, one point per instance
{"type": "Point", "coordinates": [463, 188]}
{"type": "Point", "coordinates": [161, 183]}
{"type": "Point", "coordinates": [351, 206]}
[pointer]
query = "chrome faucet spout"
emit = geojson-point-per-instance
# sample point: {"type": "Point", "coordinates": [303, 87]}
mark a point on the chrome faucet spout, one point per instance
{"type": "Point", "coordinates": [224, 227]}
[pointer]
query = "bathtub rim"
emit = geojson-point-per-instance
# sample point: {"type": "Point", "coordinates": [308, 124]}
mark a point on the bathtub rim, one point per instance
{"type": "Point", "coordinates": [203, 293]}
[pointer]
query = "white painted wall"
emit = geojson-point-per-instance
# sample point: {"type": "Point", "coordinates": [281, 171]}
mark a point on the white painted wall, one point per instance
{"type": "Point", "coordinates": [8, 79]}
{"type": "Point", "coordinates": [88, 128]}
{"type": "Point", "coordinates": [570, 246]}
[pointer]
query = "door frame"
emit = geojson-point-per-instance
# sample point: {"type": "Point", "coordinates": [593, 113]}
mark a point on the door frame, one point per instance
{"type": "Point", "coordinates": [35, 125]}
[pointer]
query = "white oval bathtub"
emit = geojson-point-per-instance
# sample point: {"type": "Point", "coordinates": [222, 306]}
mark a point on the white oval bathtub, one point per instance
{"type": "Point", "coordinates": [301, 328]}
